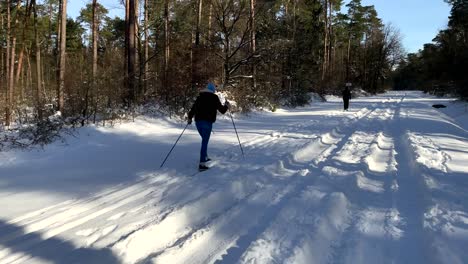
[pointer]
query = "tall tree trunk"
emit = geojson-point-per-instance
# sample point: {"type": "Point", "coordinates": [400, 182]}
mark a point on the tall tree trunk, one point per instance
{"type": "Point", "coordinates": [63, 45]}
{"type": "Point", "coordinates": [11, 75]}
{"type": "Point", "coordinates": [365, 82]}
{"type": "Point", "coordinates": [137, 39]}
{"type": "Point", "coordinates": [196, 50]}
{"type": "Point", "coordinates": [294, 21]}
{"type": "Point", "coordinates": [26, 17]}
{"type": "Point", "coordinates": [330, 39]}
{"type": "Point", "coordinates": [348, 60]}
{"type": "Point", "coordinates": [127, 11]}
{"type": "Point", "coordinates": [227, 51]}
{"type": "Point", "coordinates": [37, 46]}
{"type": "Point", "coordinates": [7, 69]}
{"type": "Point", "coordinates": [95, 42]}
{"type": "Point", "coordinates": [2, 64]}
{"type": "Point", "coordinates": [131, 53]}
{"type": "Point", "coordinates": [210, 18]}
{"type": "Point", "coordinates": [49, 45]}
{"type": "Point", "coordinates": [166, 43]}
{"type": "Point", "coordinates": [19, 68]}
{"type": "Point", "coordinates": [57, 41]}
{"type": "Point", "coordinates": [199, 18]}
{"type": "Point", "coordinates": [253, 43]}
{"type": "Point", "coordinates": [92, 89]}
{"type": "Point", "coordinates": [28, 72]}
{"type": "Point", "coordinates": [146, 66]}
{"type": "Point", "coordinates": [11, 81]}
{"type": "Point", "coordinates": [325, 42]}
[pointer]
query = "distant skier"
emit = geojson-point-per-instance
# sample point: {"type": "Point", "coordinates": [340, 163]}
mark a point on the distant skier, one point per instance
{"type": "Point", "coordinates": [205, 110]}
{"type": "Point", "coordinates": [346, 96]}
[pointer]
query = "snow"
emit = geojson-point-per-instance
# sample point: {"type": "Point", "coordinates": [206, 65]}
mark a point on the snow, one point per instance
{"type": "Point", "coordinates": [386, 182]}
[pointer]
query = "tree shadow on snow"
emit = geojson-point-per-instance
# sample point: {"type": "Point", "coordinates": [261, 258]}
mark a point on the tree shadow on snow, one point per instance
{"type": "Point", "coordinates": [92, 162]}
{"type": "Point", "coordinates": [57, 250]}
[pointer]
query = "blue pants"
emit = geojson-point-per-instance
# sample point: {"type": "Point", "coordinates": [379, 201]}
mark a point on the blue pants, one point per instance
{"type": "Point", "coordinates": [204, 129]}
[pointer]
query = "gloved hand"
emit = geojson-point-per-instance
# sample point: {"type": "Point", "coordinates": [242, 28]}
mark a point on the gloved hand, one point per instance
{"type": "Point", "coordinates": [227, 104]}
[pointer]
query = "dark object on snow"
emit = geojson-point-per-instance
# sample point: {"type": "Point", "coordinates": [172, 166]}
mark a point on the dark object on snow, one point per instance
{"type": "Point", "coordinates": [346, 96]}
{"type": "Point", "coordinates": [202, 167]}
{"type": "Point", "coordinates": [439, 106]}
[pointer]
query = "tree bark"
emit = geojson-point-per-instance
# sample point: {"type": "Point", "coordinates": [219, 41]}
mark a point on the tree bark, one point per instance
{"type": "Point", "coordinates": [325, 41]}
{"type": "Point", "coordinates": [199, 18]}
{"type": "Point", "coordinates": [29, 70]}
{"type": "Point", "coordinates": [2, 64]}
{"type": "Point", "coordinates": [196, 50]}
{"type": "Point", "coordinates": [19, 68]}
{"type": "Point", "coordinates": [95, 42]}
{"type": "Point", "coordinates": [11, 75]}
{"type": "Point", "coordinates": [166, 42]}
{"type": "Point", "coordinates": [127, 5]}
{"type": "Point", "coordinates": [348, 60]}
{"type": "Point", "coordinates": [146, 66]}
{"type": "Point", "coordinates": [49, 48]}
{"type": "Point", "coordinates": [210, 18]}
{"type": "Point", "coordinates": [37, 46]}
{"type": "Point", "coordinates": [137, 39]}
{"type": "Point", "coordinates": [253, 43]}
{"type": "Point", "coordinates": [11, 81]}
{"type": "Point", "coordinates": [27, 14]}
{"type": "Point", "coordinates": [7, 69]}
{"type": "Point", "coordinates": [131, 53]}
{"type": "Point", "coordinates": [62, 67]}
{"type": "Point", "coordinates": [330, 39]}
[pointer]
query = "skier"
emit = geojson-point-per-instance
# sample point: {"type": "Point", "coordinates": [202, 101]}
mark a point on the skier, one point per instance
{"type": "Point", "coordinates": [205, 110]}
{"type": "Point", "coordinates": [346, 96]}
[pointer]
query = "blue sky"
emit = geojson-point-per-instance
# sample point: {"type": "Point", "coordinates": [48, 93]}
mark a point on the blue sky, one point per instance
{"type": "Point", "coordinates": [114, 6]}
{"type": "Point", "coordinates": [418, 20]}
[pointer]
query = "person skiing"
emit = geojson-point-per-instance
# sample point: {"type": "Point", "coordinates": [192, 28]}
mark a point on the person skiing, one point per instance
{"type": "Point", "coordinates": [205, 110]}
{"type": "Point", "coordinates": [346, 96]}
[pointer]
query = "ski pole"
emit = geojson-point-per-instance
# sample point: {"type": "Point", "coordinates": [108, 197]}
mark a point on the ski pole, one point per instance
{"type": "Point", "coordinates": [174, 145]}
{"type": "Point", "coordinates": [235, 129]}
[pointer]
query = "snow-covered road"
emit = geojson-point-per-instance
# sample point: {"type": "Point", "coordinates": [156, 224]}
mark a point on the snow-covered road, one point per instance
{"type": "Point", "coordinates": [386, 182]}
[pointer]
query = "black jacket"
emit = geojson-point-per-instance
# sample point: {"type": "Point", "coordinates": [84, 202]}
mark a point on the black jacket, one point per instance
{"type": "Point", "coordinates": [346, 94]}
{"type": "Point", "coordinates": [205, 107]}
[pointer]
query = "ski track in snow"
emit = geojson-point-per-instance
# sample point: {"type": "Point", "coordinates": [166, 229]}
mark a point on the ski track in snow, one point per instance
{"type": "Point", "coordinates": [382, 184]}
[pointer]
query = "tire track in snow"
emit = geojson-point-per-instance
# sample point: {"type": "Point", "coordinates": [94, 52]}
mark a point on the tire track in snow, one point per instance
{"type": "Point", "coordinates": [290, 130]}
{"type": "Point", "coordinates": [327, 160]}
{"type": "Point", "coordinates": [411, 202]}
{"type": "Point", "coordinates": [318, 150]}
{"type": "Point", "coordinates": [376, 223]}
{"type": "Point", "coordinates": [338, 226]}
{"type": "Point", "coordinates": [346, 215]}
